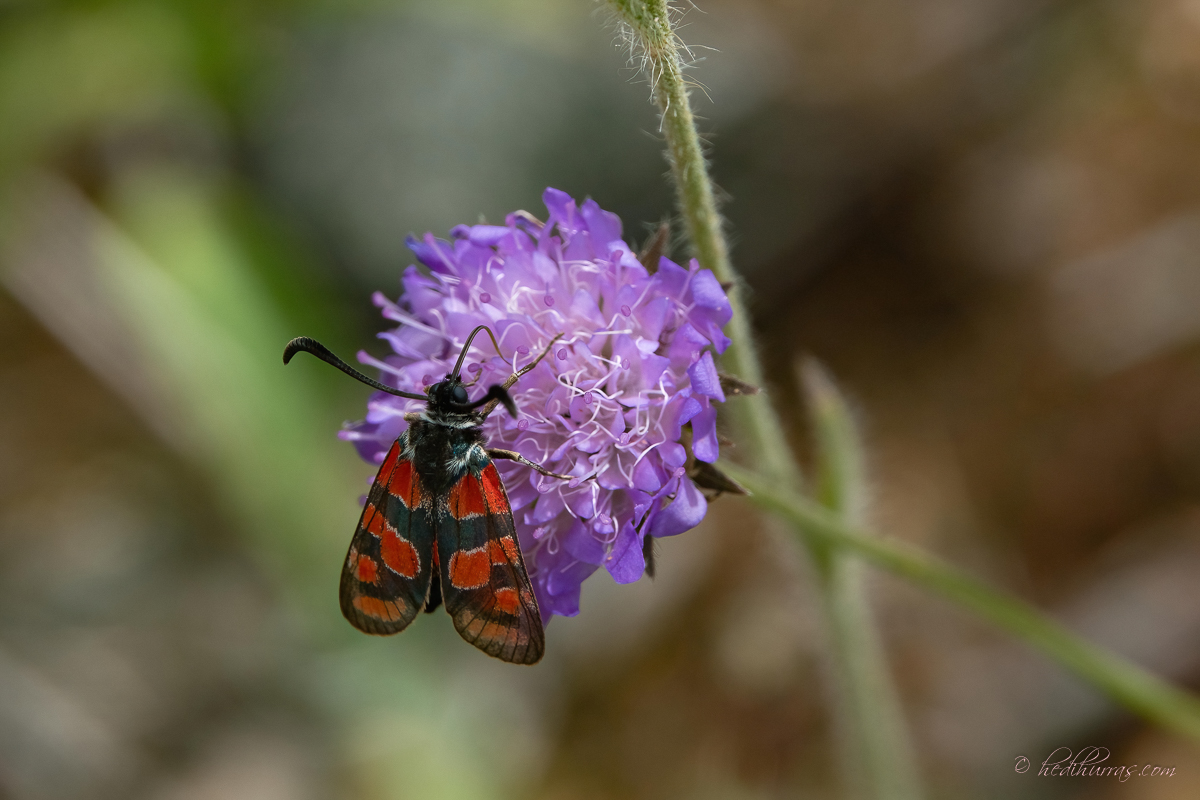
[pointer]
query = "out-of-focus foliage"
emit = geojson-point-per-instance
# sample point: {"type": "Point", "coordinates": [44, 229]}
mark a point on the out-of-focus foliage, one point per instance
{"type": "Point", "coordinates": [981, 215]}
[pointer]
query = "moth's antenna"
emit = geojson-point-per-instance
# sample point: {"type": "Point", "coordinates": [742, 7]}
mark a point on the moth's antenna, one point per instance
{"type": "Point", "coordinates": [303, 344]}
{"type": "Point", "coordinates": [467, 346]}
{"type": "Point", "coordinates": [494, 392]}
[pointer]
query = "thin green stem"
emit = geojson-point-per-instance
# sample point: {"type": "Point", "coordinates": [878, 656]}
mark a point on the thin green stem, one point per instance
{"type": "Point", "coordinates": [881, 762]}
{"type": "Point", "coordinates": [866, 698]}
{"type": "Point", "coordinates": [826, 529]}
{"type": "Point", "coordinates": [1124, 682]}
{"type": "Point", "coordinates": [654, 36]}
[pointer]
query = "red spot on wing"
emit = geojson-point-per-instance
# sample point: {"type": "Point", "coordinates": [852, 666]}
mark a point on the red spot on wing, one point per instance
{"type": "Point", "coordinates": [466, 498]}
{"type": "Point", "coordinates": [470, 569]}
{"type": "Point", "coordinates": [493, 490]}
{"type": "Point", "coordinates": [399, 554]}
{"type": "Point", "coordinates": [483, 631]}
{"type": "Point", "coordinates": [495, 630]}
{"type": "Point", "coordinates": [503, 551]}
{"type": "Point", "coordinates": [385, 610]}
{"type": "Point", "coordinates": [404, 484]}
{"type": "Point", "coordinates": [507, 600]}
{"type": "Point", "coordinates": [365, 569]}
{"type": "Point", "coordinates": [496, 552]}
{"type": "Point", "coordinates": [373, 520]}
{"type": "Point", "coordinates": [385, 468]}
{"type": "Point", "coordinates": [491, 631]}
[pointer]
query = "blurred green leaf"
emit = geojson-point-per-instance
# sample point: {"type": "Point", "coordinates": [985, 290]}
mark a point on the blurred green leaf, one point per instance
{"type": "Point", "coordinates": [214, 338]}
{"type": "Point", "coordinates": [879, 757]}
{"type": "Point", "coordinates": [1122, 681]}
{"type": "Point", "coordinates": [85, 67]}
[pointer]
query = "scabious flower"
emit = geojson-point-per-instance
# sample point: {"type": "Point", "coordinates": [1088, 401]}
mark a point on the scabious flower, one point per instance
{"type": "Point", "coordinates": [608, 405]}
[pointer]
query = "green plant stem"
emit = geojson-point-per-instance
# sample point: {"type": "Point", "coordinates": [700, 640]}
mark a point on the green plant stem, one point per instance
{"type": "Point", "coordinates": [1124, 682]}
{"type": "Point", "coordinates": [867, 705]}
{"type": "Point", "coordinates": [880, 761]}
{"type": "Point", "coordinates": [649, 21]}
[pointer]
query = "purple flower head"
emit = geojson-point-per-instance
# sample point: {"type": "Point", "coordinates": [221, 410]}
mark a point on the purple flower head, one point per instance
{"type": "Point", "coordinates": [607, 405]}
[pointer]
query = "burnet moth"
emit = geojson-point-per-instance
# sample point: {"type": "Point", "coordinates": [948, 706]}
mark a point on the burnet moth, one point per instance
{"type": "Point", "coordinates": [437, 526]}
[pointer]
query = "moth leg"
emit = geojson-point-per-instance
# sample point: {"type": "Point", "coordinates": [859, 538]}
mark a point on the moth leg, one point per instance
{"type": "Point", "coordinates": [509, 455]}
{"type": "Point", "coordinates": [434, 598]}
{"type": "Point", "coordinates": [648, 553]}
{"type": "Point", "coordinates": [412, 416]}
{"type": "Point", "coordinates": [516, 375]}
{"type": "Point", "coordinates": [490, 407]}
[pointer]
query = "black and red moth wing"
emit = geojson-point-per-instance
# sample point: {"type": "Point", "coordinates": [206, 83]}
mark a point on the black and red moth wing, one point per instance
{"type": "Point", "coordinates": [484, 583]}
{"type": "Point", "coordinates": [385, 580]}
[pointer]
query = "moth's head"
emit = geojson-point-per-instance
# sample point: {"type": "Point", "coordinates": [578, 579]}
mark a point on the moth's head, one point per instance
{"type": "Point", "coordinates": [450, 396]}
{"type": "Point", "coordinates": [448, 392]}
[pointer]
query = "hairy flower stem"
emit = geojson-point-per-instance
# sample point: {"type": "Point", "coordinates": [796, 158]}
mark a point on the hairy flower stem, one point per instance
{"type": "Point", "coordinates": [875, 736]}
{"type": "Point", "coordinates": [649, 21]}
{"type": "Point", "coordinates": [1122, 681]}
{"type": "Point", "coordinates": [823, 522]}
{"type": "Point", "coordinates": [872, 721]}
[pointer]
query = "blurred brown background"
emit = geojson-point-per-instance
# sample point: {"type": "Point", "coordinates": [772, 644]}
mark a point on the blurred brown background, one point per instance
{"type": "Point", "coordinates": [983, 215]}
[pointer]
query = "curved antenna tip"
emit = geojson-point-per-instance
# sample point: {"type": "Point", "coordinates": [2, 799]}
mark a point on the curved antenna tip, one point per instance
{"type": "Point", "coordinates": [299, 344]}
{"type": "Point", "coordinates": [305, 344]}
